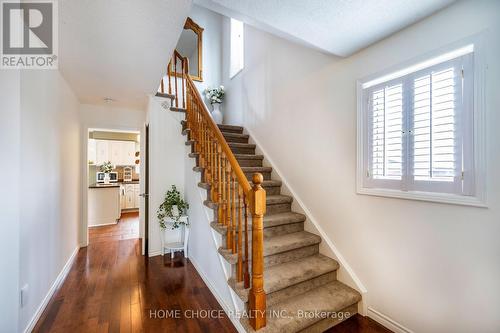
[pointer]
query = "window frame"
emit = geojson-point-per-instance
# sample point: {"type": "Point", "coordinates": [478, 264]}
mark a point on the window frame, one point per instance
{"type": "Point", "coordinates": [241, 66]}
{"type": "Point", "coordinates": [477, 166]}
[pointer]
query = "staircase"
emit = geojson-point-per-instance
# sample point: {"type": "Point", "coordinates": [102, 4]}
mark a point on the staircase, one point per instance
{"type": "Point", "coordinates": [279, 274]}
{"type": "Point", "coordinates": [296, 276]}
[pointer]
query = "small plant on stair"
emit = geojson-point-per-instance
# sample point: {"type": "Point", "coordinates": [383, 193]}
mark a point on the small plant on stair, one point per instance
{"type": "Point", "coordinates": [171, 209]}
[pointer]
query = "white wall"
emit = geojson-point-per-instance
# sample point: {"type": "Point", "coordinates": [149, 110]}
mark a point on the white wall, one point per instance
{"type": "Point", "coordinates": [9, 199]}
{"type": "Point", "coordinates": [50, 195]}
{"type": "Point", "coordinates": [166, 163]}
{"type": "Point", "coordinates": [211, 22]}
{"type": "Point", "coordinates": [431, 267]}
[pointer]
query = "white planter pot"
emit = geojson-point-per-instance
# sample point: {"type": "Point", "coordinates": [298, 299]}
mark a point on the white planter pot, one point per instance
{"type": "Point", "coordinates": [175, 210]}
{"type": "Point", "coordinates": [216, 114]}
{"type": "Point", "coordinates": [107, 178]}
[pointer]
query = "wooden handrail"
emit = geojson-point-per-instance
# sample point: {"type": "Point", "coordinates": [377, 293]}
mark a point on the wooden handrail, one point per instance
{"type": "Point", "coordinates": [230, 190]}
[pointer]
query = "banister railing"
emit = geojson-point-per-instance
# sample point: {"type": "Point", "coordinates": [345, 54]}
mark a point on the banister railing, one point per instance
{"type": "Point", "coordinates": [230, 190]}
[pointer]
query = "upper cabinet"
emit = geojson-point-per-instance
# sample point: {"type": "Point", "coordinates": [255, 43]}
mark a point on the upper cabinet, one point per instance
{"type": "Point", "coordinates": [117, 152]}
{"type": "Point", "coordinates": [102, 151]}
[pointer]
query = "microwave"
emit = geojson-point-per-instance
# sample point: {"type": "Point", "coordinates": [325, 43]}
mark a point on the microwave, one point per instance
{"type": "Point", "coordinates": [113, 177]}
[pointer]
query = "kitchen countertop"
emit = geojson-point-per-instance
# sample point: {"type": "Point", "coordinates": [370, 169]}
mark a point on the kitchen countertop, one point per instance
{"type": "Point", "coordinates": [112, 185]}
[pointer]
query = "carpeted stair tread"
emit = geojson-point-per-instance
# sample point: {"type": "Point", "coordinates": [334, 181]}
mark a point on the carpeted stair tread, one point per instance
{"type": "Point", "coordinates": [248, 157]}
{"type": "Point", "coordinates": [283, 218]}
{"type": "Point", "coordinates": [330, 298]}
{"type": "Point", "coordinates": [276, 244]}
{"type": "Point", "coordinates": [265, 183]}
{"type": "Point", "coordinates": [240, 145]}
{"type": "Point", "coordinates": [288, 242]}
{"type": "Point", "coordinates": [270, 200]}
{"type": "Point", "coordinates": [290, 273]}
{"type": "Point", "coordinates": [256, 169]}
{"type": "Point", "coordinates": [278, 199]}
{"type": "Point", "coordinates": [270, 221]}
{"type": "Point", "coordinates": [232, 135]}
{"type": "Point", "coordinates": [283, 275]}
{"type": "Point", "coordinates": [230, 128]}
{"type": "Point", "coordinates": [165, 95]}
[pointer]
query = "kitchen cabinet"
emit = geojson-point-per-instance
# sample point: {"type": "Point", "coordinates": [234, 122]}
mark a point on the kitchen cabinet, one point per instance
{"type": "Point", "coordinates": [137, 197]}
{"type": "Point", "coordinates": [103, 206]}
{"type": "Point", "coordinates": [128, 153]}
{"type": "Point", "coordinates": [102, 151]}
{"type": "Point", "coordinates": [117, 152]}
{"type": "Point", "coordinates": [130, 198]}
{"type": "Point", "coordinates": [91, 152]}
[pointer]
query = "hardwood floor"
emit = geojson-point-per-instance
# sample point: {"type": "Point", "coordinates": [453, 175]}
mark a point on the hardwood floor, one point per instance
{"type": "Point", "coordinates": [111, 287]}
{"type": "Point", "coordinates": [127, 228]}
{"type": "Point", "coordinates": [359, 324]}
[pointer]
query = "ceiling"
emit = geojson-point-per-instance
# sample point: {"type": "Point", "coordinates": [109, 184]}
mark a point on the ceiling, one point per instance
{"type": "Point", "coordinates": [339, 27]}
{"type": "Point", "coordinates": [118, 49]}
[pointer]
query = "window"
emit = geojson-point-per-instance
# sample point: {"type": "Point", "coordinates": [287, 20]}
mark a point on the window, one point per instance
{"type": "Point", "coordinates": [417, 131]}
{"type": "Point", "coordinates": [237, 48]}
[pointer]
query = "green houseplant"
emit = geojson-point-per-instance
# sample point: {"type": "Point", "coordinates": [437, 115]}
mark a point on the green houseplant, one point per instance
{"type": "Point", "coordinates": [172, 207]}
{"type": "Point", "coordinates": [106, 167]}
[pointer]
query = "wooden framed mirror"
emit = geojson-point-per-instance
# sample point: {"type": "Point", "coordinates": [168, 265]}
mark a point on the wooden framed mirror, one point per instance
{"type": "Point", "coordinates": [190, 45]}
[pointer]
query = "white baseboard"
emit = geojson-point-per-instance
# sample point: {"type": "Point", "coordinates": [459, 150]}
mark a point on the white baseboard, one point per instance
{"type": "Point", "coordinates": [58, 281]}
{"type": "Point", "coordinates": [387, 322]}
{"type": "Point", "coordinates": [102, 225]}
{"type": "Point", "coordinates": [219, 299]}
{"type": "Point", "coordinates": [154, 253]}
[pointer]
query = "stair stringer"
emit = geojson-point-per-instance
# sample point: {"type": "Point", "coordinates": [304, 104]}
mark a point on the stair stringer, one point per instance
{"type": "Point", "coordinates": [214, 276]}
{"type": "Point", "coordinates": [345, 274]}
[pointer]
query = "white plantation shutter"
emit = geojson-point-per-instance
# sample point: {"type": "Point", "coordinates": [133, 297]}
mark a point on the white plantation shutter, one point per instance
{"type": "Point", "coordinates": [387, 137]}
{"type": "Point", "coordinates": [418, 126]}
{"type": "Point", "coordinates": [435, 132]}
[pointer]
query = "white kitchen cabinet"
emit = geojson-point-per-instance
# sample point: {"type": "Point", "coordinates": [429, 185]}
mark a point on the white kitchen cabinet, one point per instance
{"type": "Point", "coordinates": [103, 206]}
{"type": "Point", "coordinates": [128, 153]}
{"type": "Point", "coordinates": [122, 197]}
{"type": "Point", "coordinates": [117, 152]}
{"type": "Point", "coordinates": [91, 152]}
{"type": "Point", "coordinates": [129, 196]}
{"type": "Point", "coordinates": [102, 151]}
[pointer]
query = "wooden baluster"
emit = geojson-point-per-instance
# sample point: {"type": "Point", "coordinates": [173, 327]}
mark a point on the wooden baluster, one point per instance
{"type": "Point", "coordinates": [182, 82]}
{"type": "Point", "coordinates": [208, 178]}
{"type": "Point", "coordinates": [210, 161]}
{"type": "Point", "coordinates": [169, 74]}
{"type": "Point", "coordinates": [235, 218]}
{"type": "Point", "coordinates": [220, 216]}
{"type": "Point", "coordinates": [257, 296]}
{"type": "Point", "coordinates": [207, 155]}
{"type": "Point", "coordinates": [229, 237]}
{"type": "Point", "coordinates": [224, 188]}
{"type": "Point", "coordinates": [246, 277]}
{"type": "Point", "coordinates": [240, 235]}
{"type": "Point", "coordinates": [202, 149]}
{"type": "Point", "coordinates": [214, 187]}
{"type": "Point", "coordinates": [175, 82]}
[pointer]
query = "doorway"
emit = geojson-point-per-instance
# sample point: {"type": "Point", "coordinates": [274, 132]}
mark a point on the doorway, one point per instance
{"type": "Point", "coordinates": [113, 169]}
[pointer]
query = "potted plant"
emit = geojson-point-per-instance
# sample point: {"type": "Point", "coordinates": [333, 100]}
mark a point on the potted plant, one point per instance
{"type": "Point", "coordinates": [106, 167]}
{"type": "Point", "coordinates": [215, 96]}
{"type": "Point", "coordinates": [171, 209]}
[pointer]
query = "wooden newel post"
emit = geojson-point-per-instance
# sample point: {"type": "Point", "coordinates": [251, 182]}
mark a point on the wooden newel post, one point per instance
{"type": "Point", "coordinates": [257, 296]}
